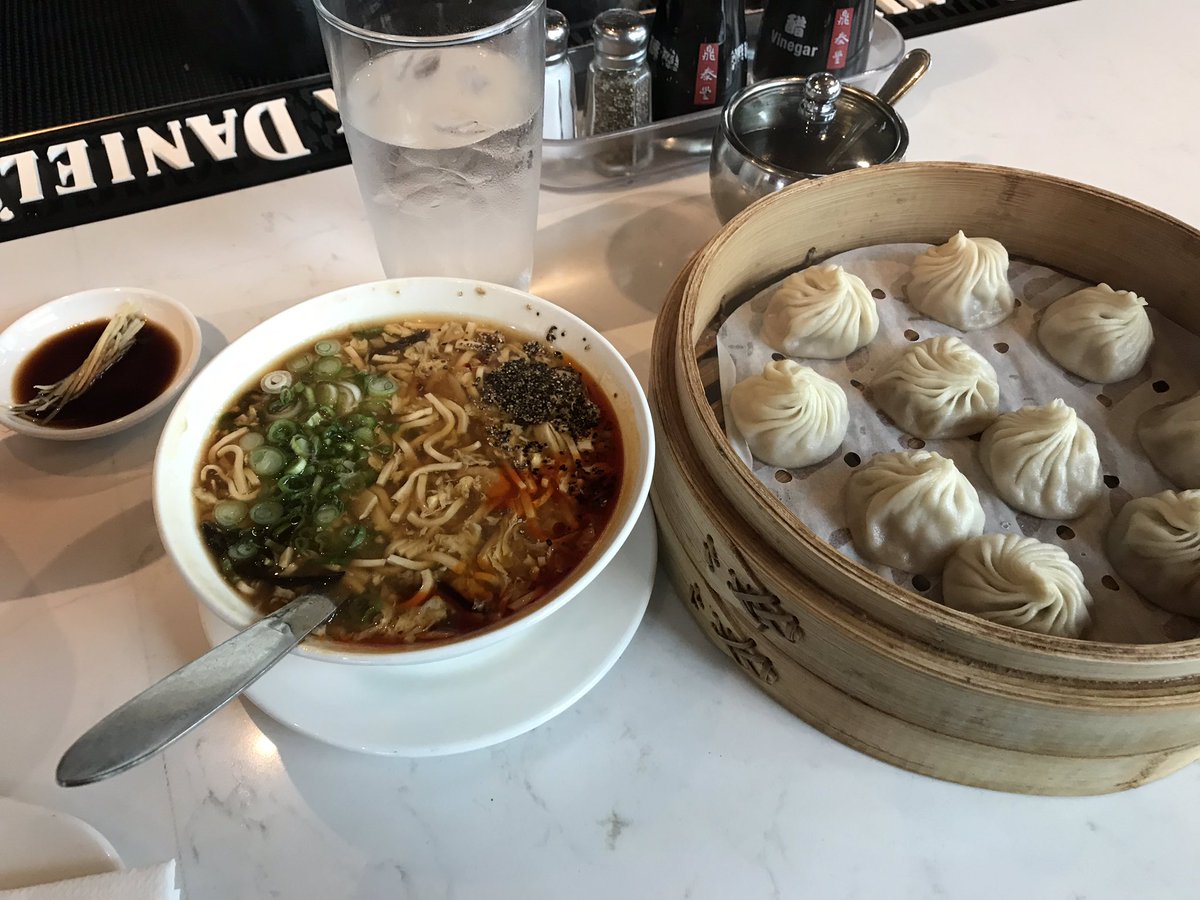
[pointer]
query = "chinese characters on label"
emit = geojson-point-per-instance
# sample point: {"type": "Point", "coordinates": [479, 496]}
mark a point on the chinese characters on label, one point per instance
{"type": "Point", "coordinates": [843, 20]}
{"type": "Point", "coordinates": [707, 70]}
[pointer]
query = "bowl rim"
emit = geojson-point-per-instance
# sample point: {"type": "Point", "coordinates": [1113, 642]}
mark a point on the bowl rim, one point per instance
{"type": "Point", "coordinates": [188, 337]}
{"type": "Point", "coordinates": [638, 449]}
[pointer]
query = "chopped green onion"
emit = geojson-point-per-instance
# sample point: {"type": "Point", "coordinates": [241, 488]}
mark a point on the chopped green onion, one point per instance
{"type": "Point", "coordinates": [275, 382]}
{"type": "Point", "coordinates": [229, 512]}
{"type": "Point", "coordinates": [380, 386]}
{"type": "Point", "coordinates": [268, 512]}
{"type": "Point", "coordinates": [348, 396]}
{"type": "Point", "coordinates": [294, 482]}
{"type": "Point", "coordinates": [243, 550]}
{"type": "Point", "coordinates": [250, 440]}
{"type": "Point", "coordinates": [364, 435]}
{"type": "Point", "coordinates": [282, 432]}
{"type": "Point", "coordinates": [327, 514]}
{"type": "Point", "coordinates": [328, 348]}
{"type": "Point", "coordinates": [301, 445]}
{"type": "Point", "coordinates": [384, 448]}
{"type": "Point", "coordinates": [266, 460]}
{"type": "Point", "coordinates": [298, 465]}
{"type": "Point", "coordinates": [329, 366]}
{"type": "Point", "coordinates": [325, 393]}
{"type": "Point", "coordinates": [300, 363]}
{"type": "Point", "coordinates": [354, 535]}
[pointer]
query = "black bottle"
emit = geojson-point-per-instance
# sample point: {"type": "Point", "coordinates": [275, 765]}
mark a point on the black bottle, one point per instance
{"type": "Point", "coordinates": [697, 55]}
{"type": "Point", "coordinates": [800, 37]}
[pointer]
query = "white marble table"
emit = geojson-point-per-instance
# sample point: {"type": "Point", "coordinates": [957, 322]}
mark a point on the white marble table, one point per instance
{"type": "Point", "coordinates": [675, 777]}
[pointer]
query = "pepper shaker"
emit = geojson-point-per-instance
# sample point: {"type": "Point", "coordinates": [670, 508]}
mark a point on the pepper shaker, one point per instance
{"type": "Point", "coordinates": [558, 112]}
{"type": "Point", "coordinates": [618, 89]}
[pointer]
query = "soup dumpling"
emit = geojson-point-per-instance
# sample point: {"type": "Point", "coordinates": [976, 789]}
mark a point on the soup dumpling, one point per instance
{"type": "Point", "coordinates": [823, 312]}
{"type": "Point", "coordinates": [910, 510]}
{"type": "Point", "coordinates": [939, 388]}
{"type": "Point", "coordinates": [1043, 460]}
{"type": "Point", "coordinates": [1098, 333]}
{"type": "Point", "coordinates": [1019, 582]}
{"type": "Point", "coordinates": [963, 283]}
{"type": "Point", "coordinates": [1154, 544]}
{"type": "Point", "coordinates": [790, 415]}
{"type": "Point", "coordinates": [1170, 435]}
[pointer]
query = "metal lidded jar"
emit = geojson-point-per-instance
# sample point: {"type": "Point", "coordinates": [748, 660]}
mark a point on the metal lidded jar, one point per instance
{"type": "Point", "coordinates": [784, 130]}
{"type": "Point", "coordinates": [618, 88]}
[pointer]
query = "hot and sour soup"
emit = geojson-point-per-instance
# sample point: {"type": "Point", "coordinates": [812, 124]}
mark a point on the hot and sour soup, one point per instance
{"type": "Point", "coordinates": [454, 473]}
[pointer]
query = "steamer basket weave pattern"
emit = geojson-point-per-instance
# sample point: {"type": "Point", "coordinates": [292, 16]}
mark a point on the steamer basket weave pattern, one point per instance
{"type": "Point", "coordinates": [881, 669]}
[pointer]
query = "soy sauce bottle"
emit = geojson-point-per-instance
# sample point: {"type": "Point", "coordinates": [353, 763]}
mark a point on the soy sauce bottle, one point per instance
{"type": "Point", "coordinates": [697, 55]}
{"type": "Point", "coordinates": [799, 37]}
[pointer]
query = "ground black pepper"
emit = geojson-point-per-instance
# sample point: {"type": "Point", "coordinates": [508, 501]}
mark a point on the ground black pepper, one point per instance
{"type": "Point", "coordinates": [530, 391]}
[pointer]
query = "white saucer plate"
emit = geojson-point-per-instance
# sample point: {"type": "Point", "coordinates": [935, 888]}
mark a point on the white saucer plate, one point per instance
{"type": "Point", "coordinates": [473, 701]}
{"type": "Point", "coordinates": [43, 845]}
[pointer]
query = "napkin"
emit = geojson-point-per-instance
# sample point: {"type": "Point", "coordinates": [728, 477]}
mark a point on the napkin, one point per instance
{"type": "Point", "coordinates": [150, 883]}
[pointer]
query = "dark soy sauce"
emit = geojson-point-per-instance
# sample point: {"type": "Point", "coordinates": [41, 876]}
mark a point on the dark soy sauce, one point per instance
{"type": "Point", "coordinates": [133, 381]}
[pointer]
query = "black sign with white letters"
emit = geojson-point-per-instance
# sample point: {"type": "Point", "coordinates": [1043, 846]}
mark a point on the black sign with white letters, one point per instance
{"type": "Point", "coordinates": [111, 167]}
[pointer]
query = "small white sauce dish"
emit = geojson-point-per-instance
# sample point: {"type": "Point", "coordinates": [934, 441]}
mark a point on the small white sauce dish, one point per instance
{"type": "Point", "coordinates": [24, 336]}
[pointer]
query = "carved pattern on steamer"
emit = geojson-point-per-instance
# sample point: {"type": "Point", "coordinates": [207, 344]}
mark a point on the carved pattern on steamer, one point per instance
{"type": "Point", "coordinates": [762, 606]}
{"type": "Point", "coordinates": [744, 650]}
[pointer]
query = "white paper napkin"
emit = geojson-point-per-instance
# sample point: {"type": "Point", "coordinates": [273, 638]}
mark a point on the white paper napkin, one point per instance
{"type": "Point", "coordinates": [150, 883]}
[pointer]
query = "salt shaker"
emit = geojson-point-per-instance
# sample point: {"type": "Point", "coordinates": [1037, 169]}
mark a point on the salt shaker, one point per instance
{"type": "Point", "coordinates": [558, 112]}
{"type": "Point", "coordinates": [618, 89]}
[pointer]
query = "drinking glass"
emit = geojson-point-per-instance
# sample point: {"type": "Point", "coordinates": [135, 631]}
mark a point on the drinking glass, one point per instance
{"type": "Point", "coordinates": [441, 103]}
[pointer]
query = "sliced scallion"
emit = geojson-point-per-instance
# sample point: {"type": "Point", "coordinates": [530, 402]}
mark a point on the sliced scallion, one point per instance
{"type": "Point", "coordinates": [301, 445]}
{"type": "Point", "coordinates": [266, 460]}
{"type": "Point", "coordinates": [281, 432]}
{"type": "Point", "coordinates": [380, 386]}
{"type": "Point", "coordinates": [229, 512]}
{"type": "Point", "coordinates": [243, 550]}
{"type": "Point", "coordinates": [250, 440]}
{"type": "Point", "coordinates": [275, 382]}
{"type": "Point", "coordinates": [327, 514]}
{"type": "Point", "coordinates": [328, 366]}
{"type": "Point", "coordinates": [354, 535]}
{"type": "Point", "coordinates": [328, 348]}
{"type": "Point", "coordinates": [267, 512]}
{"type": "Point", "coordinates": [299, 363]}
{"type": "Point", "coordinates": [325, 393]}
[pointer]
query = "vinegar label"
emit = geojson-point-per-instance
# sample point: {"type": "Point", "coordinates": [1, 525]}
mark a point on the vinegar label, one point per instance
{"type": "Point", "coordinates": [839, 40]}
{"type": "Point", "coordinates": [707, 73]}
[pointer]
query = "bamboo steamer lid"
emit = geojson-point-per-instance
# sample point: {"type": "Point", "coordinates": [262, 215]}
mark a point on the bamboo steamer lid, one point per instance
{"type": "Point", "coordinates": [960, 698]}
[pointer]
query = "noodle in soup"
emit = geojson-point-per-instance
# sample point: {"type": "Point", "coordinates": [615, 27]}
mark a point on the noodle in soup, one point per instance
{"type": "Point", "coordinates": [454, 473]}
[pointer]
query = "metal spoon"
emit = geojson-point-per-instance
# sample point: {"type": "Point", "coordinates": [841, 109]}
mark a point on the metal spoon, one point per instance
{"type": "Point", "coordinates": [168, 710]}
{"type": "Point", "coordinates": [907, 73]}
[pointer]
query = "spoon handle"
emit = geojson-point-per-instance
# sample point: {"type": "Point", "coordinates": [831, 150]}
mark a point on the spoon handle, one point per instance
{"type": "Point", "coordinates": [174, 706]}
{"type": "Point", "coordinates": [910, 70]}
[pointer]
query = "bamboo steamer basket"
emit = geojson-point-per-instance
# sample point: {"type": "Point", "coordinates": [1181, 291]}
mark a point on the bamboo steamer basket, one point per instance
{"type": "Point", "coordinates": [882, 669]}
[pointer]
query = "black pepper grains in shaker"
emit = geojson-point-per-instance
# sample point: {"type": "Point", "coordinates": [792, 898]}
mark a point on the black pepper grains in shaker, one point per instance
{"type": "Point", "coordinates": [618, 95]}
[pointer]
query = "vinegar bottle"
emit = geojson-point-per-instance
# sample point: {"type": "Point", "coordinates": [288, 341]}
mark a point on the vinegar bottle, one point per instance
{"type": "Point", "coordinates": [800, 37]}
{"type": "Point", "coordinates": [697, 55]}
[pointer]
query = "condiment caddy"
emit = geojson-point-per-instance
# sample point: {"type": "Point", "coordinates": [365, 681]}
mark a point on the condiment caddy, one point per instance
{"type": "Point", "coordinates": [590, 161]}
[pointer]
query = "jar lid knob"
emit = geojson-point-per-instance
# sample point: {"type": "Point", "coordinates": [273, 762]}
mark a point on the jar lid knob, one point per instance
{"type": "Point", "coordinates": [819, 101]}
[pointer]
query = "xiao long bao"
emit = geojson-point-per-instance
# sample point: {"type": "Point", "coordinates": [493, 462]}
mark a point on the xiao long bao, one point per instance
{"type": "Point", "coordinates": [910, 510]}
{"type": "Point", "coordinates": [1170, 435]}
{"type": "Point", "coordinates": [939, 388]}
{"type": "Point", "coordinates": [790, 415]}
{"type": "Point", "coordinates": [1154, 544]}
{"type": "Point", "coordinates": [1019, 582]}
{"type": "Point", "coordinates": [1098, 333]}
{"type": "Point", "coordinates": [1043, 460]}
{"type": "Point", "coordinates": [963, 283]}
{"type": "Point", "coordinates": [823, 312]}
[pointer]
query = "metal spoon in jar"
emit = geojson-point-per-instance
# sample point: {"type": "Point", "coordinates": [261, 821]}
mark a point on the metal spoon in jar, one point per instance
{"type": "Point", "coordinates": [168, 710]}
